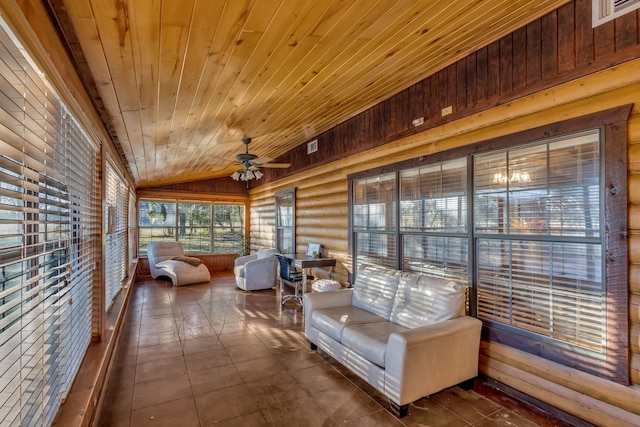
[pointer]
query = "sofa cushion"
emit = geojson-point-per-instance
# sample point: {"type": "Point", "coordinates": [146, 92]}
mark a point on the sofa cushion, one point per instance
{"type": "Point", "coordinates": [369, 340]}
{"type": "Point", "coordinates": [375, 289]}
{"type": "Point", "coordinates": [333, 320]}
{"type": "Point", "coordinates": [424, 300]}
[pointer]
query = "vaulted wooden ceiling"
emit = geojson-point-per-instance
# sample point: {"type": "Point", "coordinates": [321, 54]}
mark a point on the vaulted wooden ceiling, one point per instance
{"type": "Point", "coordinates": [180, 82]}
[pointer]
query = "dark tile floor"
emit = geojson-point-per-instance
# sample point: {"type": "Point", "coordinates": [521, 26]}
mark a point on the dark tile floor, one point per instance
{"type": "Point", "coordinates": [212, 354]}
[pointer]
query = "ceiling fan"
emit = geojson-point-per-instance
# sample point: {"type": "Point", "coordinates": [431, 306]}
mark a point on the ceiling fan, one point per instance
{"type": "Point", "coordinates": [252, 164]}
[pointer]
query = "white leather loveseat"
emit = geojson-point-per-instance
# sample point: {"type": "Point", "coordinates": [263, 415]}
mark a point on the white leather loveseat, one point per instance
{"type": "Point", "coordinates": [405, 334]}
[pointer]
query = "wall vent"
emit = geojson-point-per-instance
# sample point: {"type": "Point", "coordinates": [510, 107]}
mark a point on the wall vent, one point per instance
{"type": "Point", "coordinates": [312, 146]}
{"type": "Point", "coordinates": [605, 10]}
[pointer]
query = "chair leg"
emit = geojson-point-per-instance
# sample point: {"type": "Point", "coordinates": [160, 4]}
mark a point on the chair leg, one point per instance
{"type": "Point", "coordinates": [399, 411]}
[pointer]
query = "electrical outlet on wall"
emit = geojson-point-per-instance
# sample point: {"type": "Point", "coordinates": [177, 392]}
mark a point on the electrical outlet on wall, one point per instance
{"type": "Point", "coordinates": [447, 110]}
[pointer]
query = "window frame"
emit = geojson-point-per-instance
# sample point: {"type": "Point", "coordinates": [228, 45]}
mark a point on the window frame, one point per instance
{"type": "Point", "coordinates": [613, 122]}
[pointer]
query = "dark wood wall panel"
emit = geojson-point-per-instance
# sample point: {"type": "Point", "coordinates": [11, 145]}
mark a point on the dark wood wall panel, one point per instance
{"type": "Point", "coordinates": [604, 40]}
{"type": "Point", "coordinates": [627, 31]}
{"type": "Point", "coordinates": [553, 49]}
{"type": "Point", "coordinates": [206, 186]}
{"type": "Point", "coordinates": [549, 35]}
{"type": "Point", "coordinates": [566, 37]}
{"type": "Point", "coordinates": [519, 66]}
{"type": "Point", "coordinates": [534, 51]}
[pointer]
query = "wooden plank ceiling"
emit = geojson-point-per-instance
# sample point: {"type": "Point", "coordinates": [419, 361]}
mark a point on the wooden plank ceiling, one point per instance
{"type": "Point", "coordinates": [183, 81]}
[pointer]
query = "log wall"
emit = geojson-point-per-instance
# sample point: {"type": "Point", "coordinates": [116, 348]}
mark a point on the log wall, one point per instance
{"type": "Point", "coordinates": [555, 68]}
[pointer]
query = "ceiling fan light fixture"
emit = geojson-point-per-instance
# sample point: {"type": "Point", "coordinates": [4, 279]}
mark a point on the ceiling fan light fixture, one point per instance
{"type": "Point", "coordinates": [246, 175]}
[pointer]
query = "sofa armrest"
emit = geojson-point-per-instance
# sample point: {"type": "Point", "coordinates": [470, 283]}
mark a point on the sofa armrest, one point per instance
{"type": "Point", "coordinates": [244, 259]}
{"type": "Point", "coordinates": [425, 360]}
{"type": "Point", "coordinates": [316, 300]}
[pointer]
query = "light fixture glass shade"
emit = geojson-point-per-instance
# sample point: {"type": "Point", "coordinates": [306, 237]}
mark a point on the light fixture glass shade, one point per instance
{"type": "Point", "coordinates": [246, 175]}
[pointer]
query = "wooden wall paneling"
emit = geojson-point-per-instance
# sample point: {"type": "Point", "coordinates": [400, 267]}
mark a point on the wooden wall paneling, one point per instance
{"type": "Point", "coordinates": [635, 330]}
{"type": "Point", "coordinates": [584, 33]}
{"type": "Point", "coordinates": [634, 279]}
{"type": "Point", "coordinates": [442, 93]}
{"type": "Point", "coordinates": [506, 64]}
{"type": "Point", "coordinates": [471, 84]}
{"type": "Point", "coordinates": [604, 40]}
{"type": "Point", "coordinates": [461, 86]}
{"type": "Point", "coordinates": [262, 217]}
{"type": "Point", "coordinates": [519, 68]}
{"type": "Point", "coordinates": [425, 94]}
{"type": "Point", "coordinates": [434, 101]}
{"type": "Point", "coordinates": [482, 74]}
{"type": "Point", "coordinates": [409, 102]}
{"type": "Point", "coordinates": [493, 70]}
{"type": "Point", "coordinates": [626, 32]}
{"type": "Point", "coordinates": [634, 315]}
{"type": "Point", "coordinates": [452, 77]}
{"type": "Point", "coordinates": [635, 369]}
{"type": "Point", "coordinates": [534, 51]}
{"type": "Point", "coordinates": [559, 395]}
{"type": "Point", "coordinates": [422, 105]}
{"type": "Point", "coordinates": [412, 105]}
{"type": "Point", "coordinates": [566, 37]}
{"type": "Point", "coordinates": [549, 32]}
{"type": "Point", "coordinates": [214, 262]}
{"type": "Point", "coordinates": [390, 117]}
{"type": "Point", "coordinates": [574, 381]}
{"type": "Point", "coordinates": [634, 128]}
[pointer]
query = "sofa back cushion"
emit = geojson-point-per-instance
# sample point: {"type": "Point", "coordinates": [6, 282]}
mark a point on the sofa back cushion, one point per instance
{"type": "Point", "coordinates": [424, 300]}
{"type": "Point", "coordinates": [375, 289]}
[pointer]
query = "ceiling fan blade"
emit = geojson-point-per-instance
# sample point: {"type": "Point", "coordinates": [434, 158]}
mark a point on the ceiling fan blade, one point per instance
{"type": "Point", "coordinates": [276, 165]}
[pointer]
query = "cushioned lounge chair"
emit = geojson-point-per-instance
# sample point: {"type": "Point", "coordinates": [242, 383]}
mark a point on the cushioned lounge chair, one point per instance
{"type": "Point", "coordinates": [168, 259]}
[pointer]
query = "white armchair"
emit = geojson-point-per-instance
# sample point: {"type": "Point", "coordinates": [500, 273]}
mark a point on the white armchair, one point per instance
{"type": "Point", "coordinates": [167, 259]}
{"type": "Point", "coordinates": [256, 271]}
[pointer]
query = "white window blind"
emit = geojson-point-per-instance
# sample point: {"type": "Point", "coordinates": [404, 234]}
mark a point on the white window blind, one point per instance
{"type": "Point", "coordinates": [132, 227]}
{"type": "Point", "coordinates": [375, 220]}
{"type": "Point", "coordinates": [433, 219]}
{"type": "Point", "coordinates": [116, 216]}
{"type": "Point", "coordinates": [48, 222]}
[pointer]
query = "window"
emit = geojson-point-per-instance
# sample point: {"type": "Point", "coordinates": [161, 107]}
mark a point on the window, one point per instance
{"type": "Point", "coordinates": [544, 275]}
{"type": "Point", "coordinates": [200, 227]}
{"type": "Point", "coordinates": [374, 220]}
{"type": "Point", "coordinates": [433, 219]}
{"type": "Point", "coordinates": [539, 241]}
{"type": "Point", "coordinates": [285, 221]}
{"type": "Point", "coordinates": [49, 210]}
